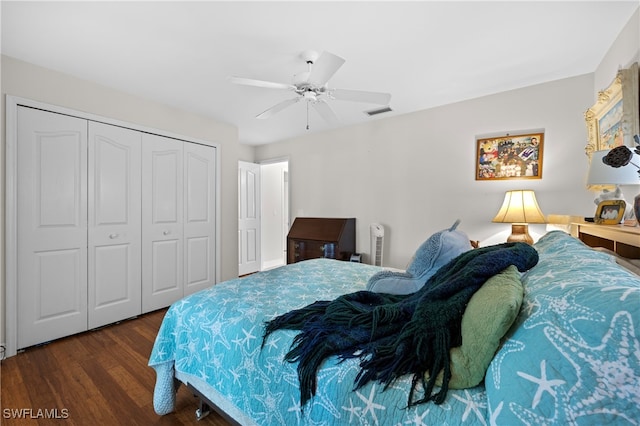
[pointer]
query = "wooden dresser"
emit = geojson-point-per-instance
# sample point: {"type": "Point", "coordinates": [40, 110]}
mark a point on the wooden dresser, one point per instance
{"type": "Point", "coordinates": [315, 237]}
{"type": "Point", "coordinates": [620, 239]}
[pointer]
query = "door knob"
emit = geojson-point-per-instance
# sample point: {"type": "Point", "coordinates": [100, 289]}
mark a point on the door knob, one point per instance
{"type": "Point", "coordinates": [166, 232]}
{"type": "Point", "coordinates": [113, 236]}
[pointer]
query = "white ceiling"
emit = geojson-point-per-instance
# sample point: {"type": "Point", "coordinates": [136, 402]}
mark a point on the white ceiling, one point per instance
{"type": "Point", "coordinates": [425, 53]}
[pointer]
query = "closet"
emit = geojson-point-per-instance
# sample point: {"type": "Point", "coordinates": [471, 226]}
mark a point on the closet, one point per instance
{"type": "Point", "coordinates": [111, 222]}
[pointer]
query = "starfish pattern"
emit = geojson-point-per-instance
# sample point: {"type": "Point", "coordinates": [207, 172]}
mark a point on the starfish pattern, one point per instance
{"type": "Point", "coordinates": [564, 309]}
{"type": "Point", "coordinates": [615, 365]}
{"type": "Point", "coordinates": [418, 419]}
{"type": "Point", "coordinates": [270, 401]}
{"type": "Point", "coordinates": [562, 414]}
{"type": "Point", "coordinates": [627, 290]}
{"type": "Point", "coordinates": [472, 406]}
{"type": "Point", "coordinates": [352, 410]}
{"type": "Point", "coordinates": [510, 346]}
{"type": "Point", "coordinates": [544, 384]}
{"type": "Point", "coordinates": [370, 406]}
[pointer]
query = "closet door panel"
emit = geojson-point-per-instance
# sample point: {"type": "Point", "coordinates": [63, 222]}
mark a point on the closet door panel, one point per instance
{"type": "Point", "coordinates": [114, 224]}
{"type": "Point", "coordinates": [199, 213]}
{"type": "Point", "coordinates": [52, 226]}
{"type": "Point", "coordinates": [162, 219]}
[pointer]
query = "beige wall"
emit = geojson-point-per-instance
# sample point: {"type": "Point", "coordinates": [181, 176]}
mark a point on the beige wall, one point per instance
{"type": "Point", "coordinates": [40, 84]}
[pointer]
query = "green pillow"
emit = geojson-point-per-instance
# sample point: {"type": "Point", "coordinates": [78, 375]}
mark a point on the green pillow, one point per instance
{"type": "Point", "coordinates": [487, 318]}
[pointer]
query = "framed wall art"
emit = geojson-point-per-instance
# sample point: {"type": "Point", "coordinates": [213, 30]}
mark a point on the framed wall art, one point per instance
{"type": "Point", "coordinates": [517, 156]}
{"type": "Point", "coordinates": [610, 212]}
{"type": "Point", "coordinates": [614, 118]}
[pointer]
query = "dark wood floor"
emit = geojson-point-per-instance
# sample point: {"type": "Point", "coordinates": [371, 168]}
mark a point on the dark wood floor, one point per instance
{"type": "Point", "coordinates": [99, 377]}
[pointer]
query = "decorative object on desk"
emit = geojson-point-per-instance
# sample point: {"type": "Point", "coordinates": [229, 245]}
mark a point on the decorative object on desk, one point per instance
{"type": "Point", "coordinates": [603, 177]}
{"type": "Point", "coordinates": [610, 212]}
{"type": "Point", "coordinates": [620, 158]}
{"type": "Point", "coordinates": [614, 118]}
{"type": "Point", "coordinates": [520, 208]}
{"type": "Point", "coordinates": [517, 156]}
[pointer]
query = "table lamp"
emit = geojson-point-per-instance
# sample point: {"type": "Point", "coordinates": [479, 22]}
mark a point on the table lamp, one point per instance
{"type": "Point", "coordinates": [520, 208]}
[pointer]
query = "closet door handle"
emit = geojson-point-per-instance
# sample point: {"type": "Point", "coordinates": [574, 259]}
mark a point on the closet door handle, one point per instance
{"type": "Point", "coordinates": [113, 236]}
{"type": "Point", "coordinates": [166, 232]}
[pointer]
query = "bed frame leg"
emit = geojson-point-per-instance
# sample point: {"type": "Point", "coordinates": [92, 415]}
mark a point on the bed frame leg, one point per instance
{"type": "Point", "coordinates": [203, 410]}
{"type": "Point", "coordinates": [206, 407]}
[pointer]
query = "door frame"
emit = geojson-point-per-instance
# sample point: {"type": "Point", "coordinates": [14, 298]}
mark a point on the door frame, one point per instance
{"type": "Point", "coordinates": [9, 304]}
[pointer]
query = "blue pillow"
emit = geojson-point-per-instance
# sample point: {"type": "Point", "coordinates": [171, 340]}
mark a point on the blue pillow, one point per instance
{"type": "Point", "coordinates": [435, 252]}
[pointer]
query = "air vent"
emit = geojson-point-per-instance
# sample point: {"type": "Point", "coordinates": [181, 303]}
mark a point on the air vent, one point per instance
{"type": "Point", "coordinates": [382, 110]}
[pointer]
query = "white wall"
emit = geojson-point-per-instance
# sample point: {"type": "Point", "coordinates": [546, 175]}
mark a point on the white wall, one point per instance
{"type": "Point", "coordinates": [624, 52]}
{"type": "Point", "coordinates": [414, 173]}
{"type": "Point", "coordinates": [32, 82]}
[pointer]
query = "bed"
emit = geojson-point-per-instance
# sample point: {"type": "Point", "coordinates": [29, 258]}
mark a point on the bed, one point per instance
{"type": "Point", "coordinates": [571, 356]}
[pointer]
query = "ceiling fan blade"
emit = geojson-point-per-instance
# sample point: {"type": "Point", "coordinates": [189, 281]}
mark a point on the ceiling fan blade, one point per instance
{"type": "Point", "coordinates": [261, 83]}
{"type": "Point", "coordinates": [360, 96]}
{"type": "Point", "coordinates": [278, 107]}
{"type": "Point", "coordinates": [324, 68]}
{"type": "Point", "coordinates": [326, 112]}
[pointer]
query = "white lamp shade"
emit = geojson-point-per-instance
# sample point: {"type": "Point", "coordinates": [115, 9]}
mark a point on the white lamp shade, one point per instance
{"type": "Point", "coordinates": [602, 174]}
{"type": "Point", "coordinates": [520, 206]}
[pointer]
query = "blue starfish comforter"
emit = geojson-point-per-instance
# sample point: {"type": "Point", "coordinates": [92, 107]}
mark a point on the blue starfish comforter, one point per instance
{"type": "Point", "coordinates": [572, 357]}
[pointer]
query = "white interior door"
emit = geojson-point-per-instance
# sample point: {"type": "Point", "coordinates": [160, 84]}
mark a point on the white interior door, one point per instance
{"type": "Point", "coordinates": [199, 216]}
{"type": "Point", "coordinates": [114, 251]}
{"type": "Point", "coordinates": [52, 226]}
{"type": "Point", "coordinates": [162, 221]}
{"type": "Point", "coordinates": [248, 217]}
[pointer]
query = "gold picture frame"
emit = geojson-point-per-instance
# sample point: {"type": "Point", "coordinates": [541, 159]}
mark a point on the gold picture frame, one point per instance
{"type": "Point", "coordinates": [613, 119]}
{"type": "Point", "coordinates": [507, 156]}
{"type": "Point", "coordinates": [610, 212]}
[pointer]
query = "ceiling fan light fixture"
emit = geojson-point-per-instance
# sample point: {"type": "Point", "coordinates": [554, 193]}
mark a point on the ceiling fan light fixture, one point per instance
{"type": "Point", "coordinates": [309, 95]}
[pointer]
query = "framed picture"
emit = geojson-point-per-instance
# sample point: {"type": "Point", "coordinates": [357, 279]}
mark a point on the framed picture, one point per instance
{"type": "Point", "coordinates": [509, 157]}
{"type": "Point", "coordinates": [613, 119]}
{"type": "Point", "coordinates": [610, 212]}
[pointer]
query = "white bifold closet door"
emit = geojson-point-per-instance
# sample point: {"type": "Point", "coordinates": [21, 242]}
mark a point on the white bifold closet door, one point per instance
{"type": "Point", "coordinates": [199, 217]}
{"type": "Point", "coordinates": [111, 222]}
{"type": "Point", "coordinates": [52, 226]}
{"type": "Point", "coordinates": [178, 219]}
{"type": "Point", "coordinates": [79, 217]}
{"type": "Point", "coordinates": [114, 224]}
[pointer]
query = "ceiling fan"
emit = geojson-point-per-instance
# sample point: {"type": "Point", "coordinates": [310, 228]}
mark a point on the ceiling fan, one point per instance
{"type": "Point", "coordinates": [312, 87]}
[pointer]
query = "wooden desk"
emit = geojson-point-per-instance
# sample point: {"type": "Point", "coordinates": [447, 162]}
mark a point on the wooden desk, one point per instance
{"type": "Point", "coordinates": [623, 240]}
{"type": "Point", "coordinates": [314, 237]}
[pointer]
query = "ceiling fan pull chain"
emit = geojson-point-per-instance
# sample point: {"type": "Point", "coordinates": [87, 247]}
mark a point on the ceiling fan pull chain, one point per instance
{"type": "Point", "coordinates": [307, 115]}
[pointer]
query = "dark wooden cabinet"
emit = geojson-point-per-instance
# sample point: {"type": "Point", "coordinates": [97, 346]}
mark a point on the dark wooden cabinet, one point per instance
{"type": "Point", "coordinates": [315, 237]}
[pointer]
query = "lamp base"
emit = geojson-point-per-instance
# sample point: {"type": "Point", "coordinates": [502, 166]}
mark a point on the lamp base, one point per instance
{"type": "Point", "coordinates": [520, 234]}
